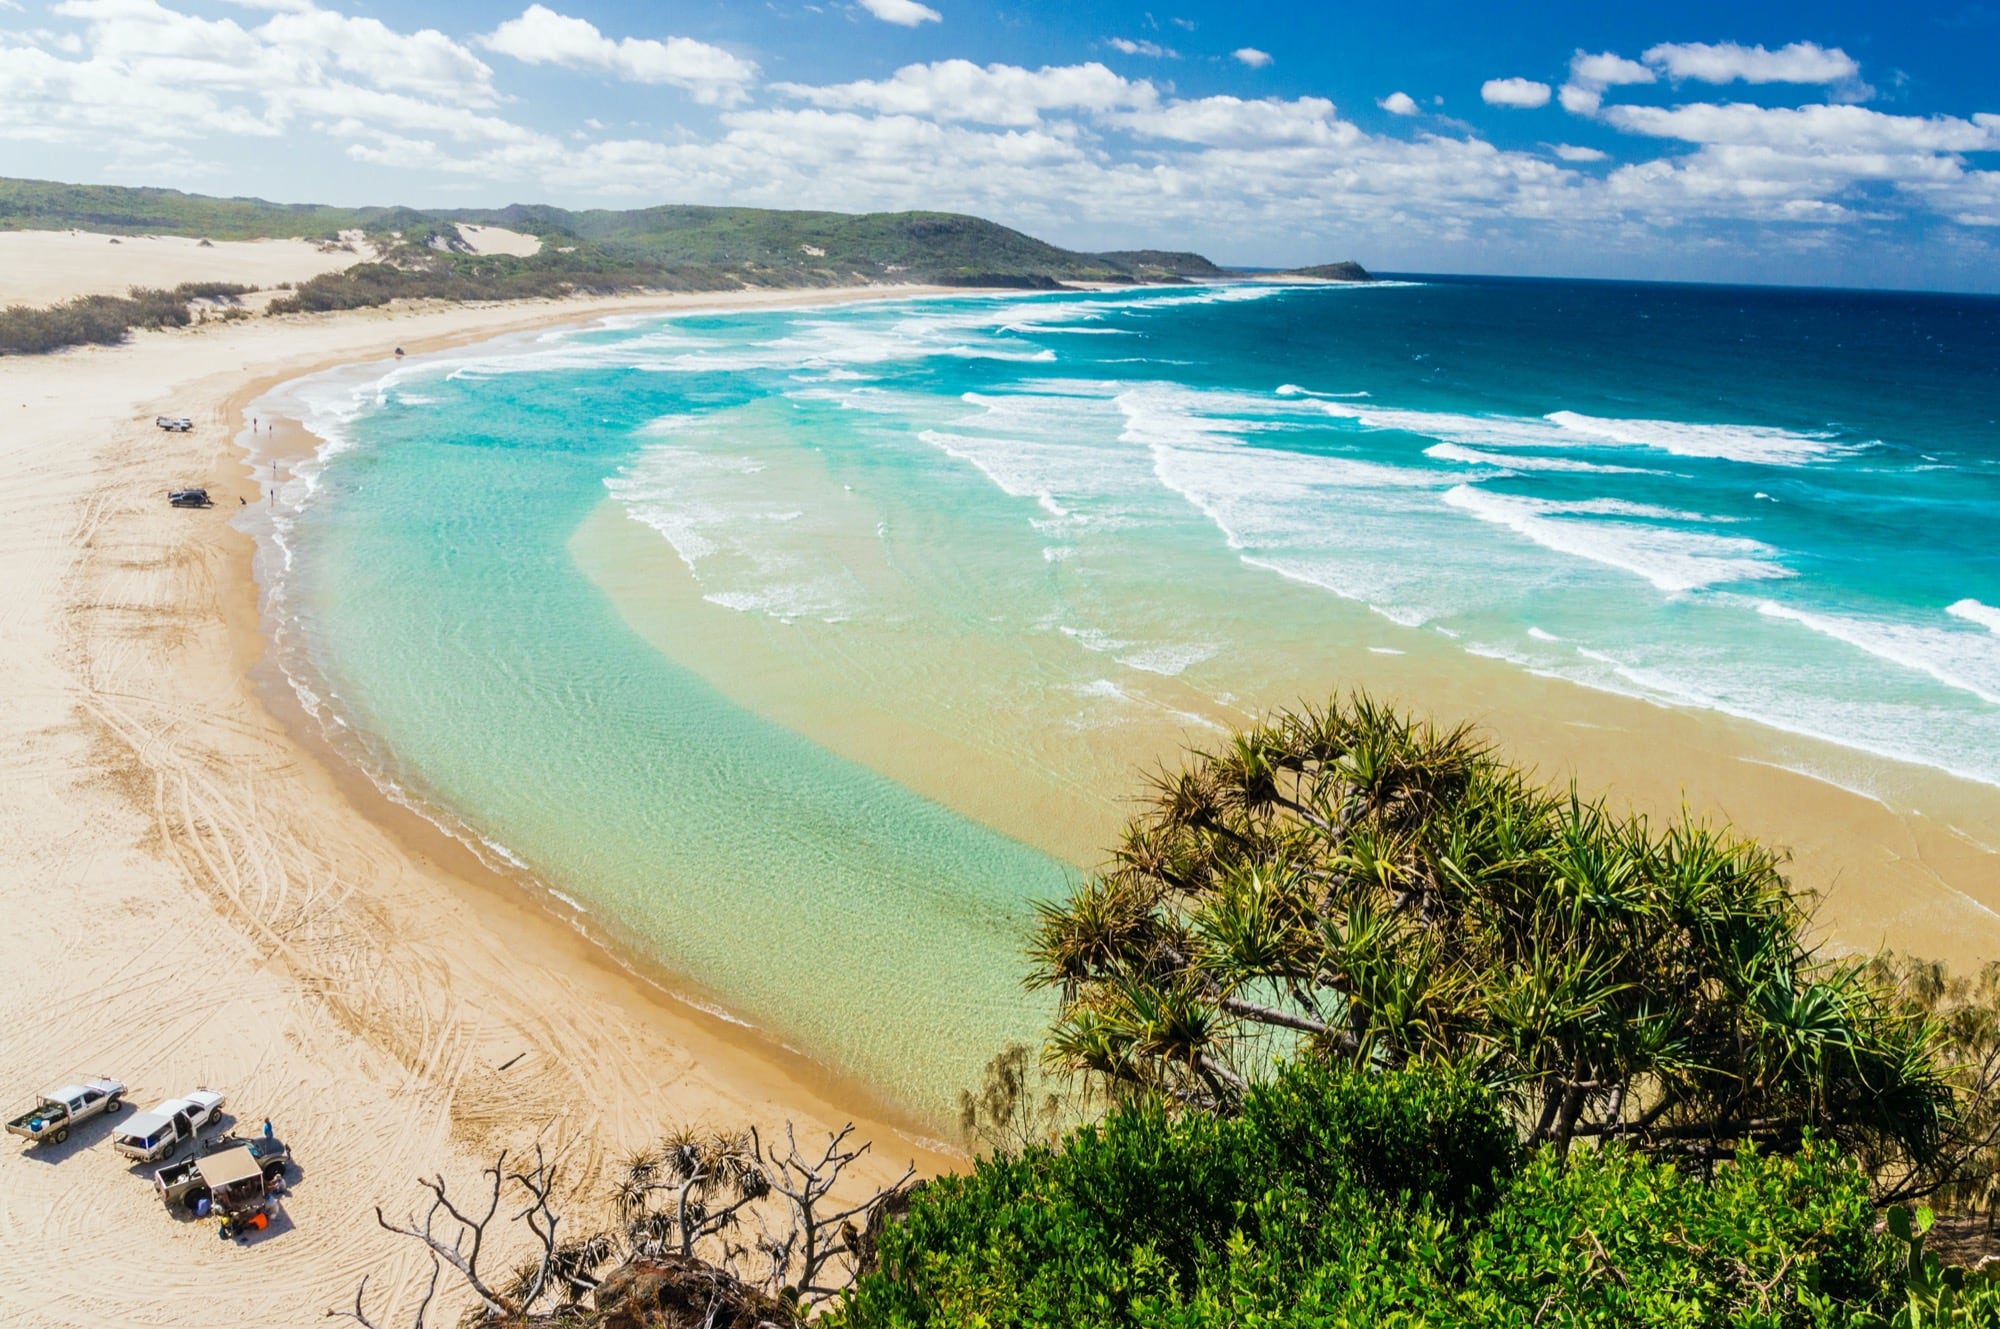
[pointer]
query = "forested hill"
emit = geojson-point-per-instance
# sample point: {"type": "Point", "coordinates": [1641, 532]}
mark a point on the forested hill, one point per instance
{"type": "Point", "coordinates": [677, 245]}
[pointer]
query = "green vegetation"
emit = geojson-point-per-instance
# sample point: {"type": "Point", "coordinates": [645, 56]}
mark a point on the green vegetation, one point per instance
{"type": "Point", "coordinates": [1353, 886]}
{"type": "Point", "coordinates": [104, 320]}
{"type": "Point", "coordinates": [1339, 1197]}
{"type": "Point", "coordinates": [1392, 1035]}
{"type": "Point", "coordinates": [44, 205]}
{"type": "Point", "coordinates": [1334, 272]}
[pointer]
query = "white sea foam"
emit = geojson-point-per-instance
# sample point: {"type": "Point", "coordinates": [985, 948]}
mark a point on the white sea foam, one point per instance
{"type": "Point", "coordinates": [1508, 461]}
{"type": "Point", "coordinates": [1172, 658]}
{"type": "Point", "coordinates": [1093, 640]}
{"type": "Point", "coordinates": [1746, 443]}
{"type": "Point", "coordinates": [1762, 445]}
{"type": "Point", "coordinates": [1974, 612]}
{"type": "Point", "coordinates": [726, 532]}
{"type": "Point", "coordinates": [1670, 558]}
{"type": "Point", "coordinates": [1337, 523]}
{"type": "Point", "coordinates": [1968, 661]}
{"type": "Point", "coordinates": [1294, 390]}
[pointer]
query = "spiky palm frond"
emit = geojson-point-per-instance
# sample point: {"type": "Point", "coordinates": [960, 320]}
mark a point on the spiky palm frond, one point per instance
{"type": "Point", "coordinates": [1353, 882]}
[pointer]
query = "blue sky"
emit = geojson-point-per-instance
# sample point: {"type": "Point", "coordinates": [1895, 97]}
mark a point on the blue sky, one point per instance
{"type": "Point", "coordinates": [1834, 143]}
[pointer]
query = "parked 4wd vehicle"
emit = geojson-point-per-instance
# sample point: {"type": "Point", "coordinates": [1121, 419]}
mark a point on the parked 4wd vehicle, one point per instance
{"type": "Point", "coordinates": [159, 1133]}
{"type": "Point", "coordinates": [220, 1175]}
{"type": "Point", "coordinates": [50, 1119]}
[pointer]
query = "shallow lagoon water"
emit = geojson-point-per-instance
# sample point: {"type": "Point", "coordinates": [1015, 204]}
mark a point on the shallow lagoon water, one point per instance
{"type": "Point", "coordinates": [544, 582]}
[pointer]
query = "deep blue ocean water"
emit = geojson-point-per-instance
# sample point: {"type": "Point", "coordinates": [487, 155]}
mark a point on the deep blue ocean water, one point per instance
{"type": "Point", "coordinates": [1778, 504]}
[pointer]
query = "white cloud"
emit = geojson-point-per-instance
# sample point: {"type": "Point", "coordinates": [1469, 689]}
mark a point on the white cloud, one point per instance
{"type": "Point", "coordinates": [1522, 93]}
{"type": "Point", "coordinates": [424, 62]}
{"type": "Point", "coordinates": [1727, 62]}
{"type": "Point", "coordinates": [1234, 122]}
{"type": "Point", "coordinates": [1251, 56]}
{"type": "Point", "coordinates": [991, 94]}
{"type": "Point", "coordinates": [1590, 75]}
{"type": "Point", "coordinates": [1606, 69]}
{"type": "Point", "coordinates": [1398, 103]}
{"type": "Point", "coordinates": [1819, 163]}
{"type": "Point", "coordinates": [1810, 129]}
{"type": "Point", "coordinates": [903, 13]}
{"type": "Point", "coordinates": [1074, 151]}
{"type": "Point", "coordinates": [542, 36]}
{"type": "Point", "coordinates": [1153, 49]}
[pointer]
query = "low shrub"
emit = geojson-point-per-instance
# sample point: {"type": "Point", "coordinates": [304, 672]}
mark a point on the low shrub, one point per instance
{"type": "Point", "coordinates": [1356, 1199]}
{"type": "Point", "coordinates": [103, 320]}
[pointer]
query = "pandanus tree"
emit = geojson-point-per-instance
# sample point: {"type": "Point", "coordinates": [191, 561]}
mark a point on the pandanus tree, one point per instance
{"type": "Point", "coordinates": [1352, 884]}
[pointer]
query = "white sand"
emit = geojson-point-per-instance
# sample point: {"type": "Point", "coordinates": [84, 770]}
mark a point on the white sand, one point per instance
{"type": "Point", "coordinates": [42, 267]}
{"type": "Point", "coordinates": [499, 240]}
{"type": "Point", "coordinates": [195, 898]}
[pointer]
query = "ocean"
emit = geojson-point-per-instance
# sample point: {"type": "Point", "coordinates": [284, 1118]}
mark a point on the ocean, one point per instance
{"type": "Point", "coordinates": [804, 649]}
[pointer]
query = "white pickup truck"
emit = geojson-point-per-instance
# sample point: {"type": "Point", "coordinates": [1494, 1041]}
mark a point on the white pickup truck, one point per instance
{"type": "Point", "coordinates": [50, 1119]}
{"type": "Point", "coordinates": [159, 1133]}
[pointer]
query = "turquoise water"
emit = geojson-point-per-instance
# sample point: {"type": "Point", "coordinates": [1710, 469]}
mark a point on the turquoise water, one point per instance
{"type": "Point", "coordinates": [1011, 525]}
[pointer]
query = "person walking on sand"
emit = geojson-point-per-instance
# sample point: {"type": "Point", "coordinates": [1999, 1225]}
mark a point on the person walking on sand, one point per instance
{"type": "Point", "coordinates": [267, 1128]}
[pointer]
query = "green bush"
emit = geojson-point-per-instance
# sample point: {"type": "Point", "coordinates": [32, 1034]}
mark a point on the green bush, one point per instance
{"type": "Point", "coordinates": [1351, 1199]}
{"type": "Point", "coordinates": [101, 320]}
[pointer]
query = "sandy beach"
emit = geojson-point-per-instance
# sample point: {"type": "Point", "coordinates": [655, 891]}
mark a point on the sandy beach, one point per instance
{"type": "Point", "coordinates": [202, 894]}
{"type": "Point", "coordinates": [199, 899]}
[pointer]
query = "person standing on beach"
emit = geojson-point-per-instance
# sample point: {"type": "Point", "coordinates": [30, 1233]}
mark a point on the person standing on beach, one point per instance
{"type": "Point", "coordinates": [267, 1128]}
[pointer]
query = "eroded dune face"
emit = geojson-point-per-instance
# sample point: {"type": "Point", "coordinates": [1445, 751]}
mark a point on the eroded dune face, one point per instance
{"type": "Point", "coordinates": [43, 267]}
{"type": "Point", "coordinates": [499, 240]}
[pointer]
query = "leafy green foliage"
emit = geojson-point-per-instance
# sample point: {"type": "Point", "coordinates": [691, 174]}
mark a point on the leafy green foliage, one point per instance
{"type": "Point", "coordinates": [1350, 884]}
{"type": "Point", "coordinates": [103, 320]}
{"type": "Point", "coordinates": [487, 277]}
{"type": "Point", "coordinates": [1357, 1198]}
{"type": "Point", "coordinates": [1935, 1294]}
{"type": "Point", "coordinates": [44, 205]}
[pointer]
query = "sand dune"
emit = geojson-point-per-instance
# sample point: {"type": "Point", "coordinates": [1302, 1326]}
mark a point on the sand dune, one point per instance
{"type": "Point", "coordinates": [195, 899]}
{"type": "Point", "coordinates": [499, 240]}
{"type": "Point", "coordinates": [42, 267]}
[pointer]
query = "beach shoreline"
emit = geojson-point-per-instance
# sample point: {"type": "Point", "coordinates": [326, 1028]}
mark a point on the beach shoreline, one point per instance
{"type": "Point", "coordinates": [509, 893]}
{"type": "Point", "coordinates": [228, 909]}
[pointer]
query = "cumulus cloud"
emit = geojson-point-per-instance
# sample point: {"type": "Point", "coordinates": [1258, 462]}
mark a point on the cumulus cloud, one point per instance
{"type": "Point", "coordinates": [1727, 62]}
{"type": "Point", "coordinates": [1251, 56]}
{"type": "Point", "coordinates": [1127, 46]}
{"type": "Point", "coordinates": [903, 13]}
{"type": "Point", "coordinates": [145, 78]}
{"type": "Point", "coordinates": [991, 94]}
{"type": "Point", "coordinates": [1072, 150]}
{"type": "Point", "coordinates": [1523, 93]}
{"type": "Point", "coordinates": [542, 36]}
{"type": "Point", "coordinates": [1234, 122]}
{"type": "Point", "coordinates": [1590, 75]}
{"type": "Point", "coordinates": [1826, 164]}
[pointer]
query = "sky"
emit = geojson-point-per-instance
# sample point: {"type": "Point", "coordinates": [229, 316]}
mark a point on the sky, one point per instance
{"type": "Point", "coordinates": [1833, 143]}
